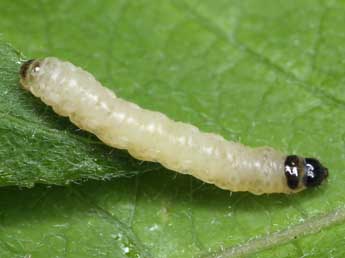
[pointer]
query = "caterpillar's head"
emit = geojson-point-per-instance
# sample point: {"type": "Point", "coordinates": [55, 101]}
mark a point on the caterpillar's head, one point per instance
{"type": "Point", "coordinates": [28, 71]}
{"type": "Point", "coordinates": [304, 172]}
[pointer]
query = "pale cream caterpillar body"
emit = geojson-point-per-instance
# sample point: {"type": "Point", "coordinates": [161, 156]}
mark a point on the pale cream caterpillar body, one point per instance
{"type": "Point", "coordinates": [152, 136]}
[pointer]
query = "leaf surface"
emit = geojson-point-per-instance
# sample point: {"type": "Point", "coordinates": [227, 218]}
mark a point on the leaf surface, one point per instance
{"type": "Point", "coordinates": [262, 76]}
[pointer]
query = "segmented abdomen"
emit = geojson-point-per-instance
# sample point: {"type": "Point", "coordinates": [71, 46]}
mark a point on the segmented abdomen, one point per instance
{"type": "Point", "coordinates": [152, 136]}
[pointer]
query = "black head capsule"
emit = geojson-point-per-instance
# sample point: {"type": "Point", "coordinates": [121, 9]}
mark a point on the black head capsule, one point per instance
{"type": "Point", "coordinates": [304, 172]}
{"type": "Point", "coordinates": [314, 172]}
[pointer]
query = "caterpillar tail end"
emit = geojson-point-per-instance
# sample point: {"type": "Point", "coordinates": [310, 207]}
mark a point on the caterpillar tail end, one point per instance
{"type": "Point", "coordinates": [24, 68]}
{"type": "Point", "coordinates": [26, 71]}
{"type": "Point", "coordinates": [304, 173]}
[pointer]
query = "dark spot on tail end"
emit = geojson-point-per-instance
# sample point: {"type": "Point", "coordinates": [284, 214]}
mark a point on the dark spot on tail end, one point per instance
{"type": "Point", "coordinates": [24, 68]}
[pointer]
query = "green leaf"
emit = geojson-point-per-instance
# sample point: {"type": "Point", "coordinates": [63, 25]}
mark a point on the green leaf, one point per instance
{"type": "Point", "coordinates": [258, 72]}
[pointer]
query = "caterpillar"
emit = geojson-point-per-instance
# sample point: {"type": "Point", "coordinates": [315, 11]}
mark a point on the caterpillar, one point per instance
{"type": "Point", "coordinates": [152, 136]}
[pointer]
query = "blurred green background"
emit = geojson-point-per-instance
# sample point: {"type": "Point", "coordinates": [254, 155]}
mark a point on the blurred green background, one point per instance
{"type": "Point", "coordinates": [258, 72]}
